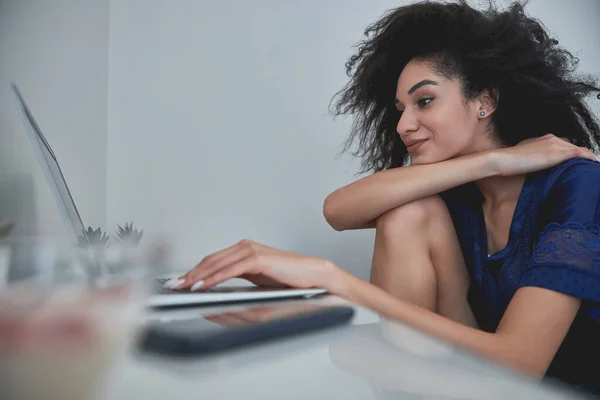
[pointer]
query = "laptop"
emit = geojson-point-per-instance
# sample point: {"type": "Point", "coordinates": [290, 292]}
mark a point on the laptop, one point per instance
{"type": "Point", "coordinates": [160, 296]}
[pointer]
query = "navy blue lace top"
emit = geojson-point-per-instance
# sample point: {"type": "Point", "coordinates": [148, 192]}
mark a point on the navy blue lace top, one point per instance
{"type": "Point", "coordinates": [554, 243]}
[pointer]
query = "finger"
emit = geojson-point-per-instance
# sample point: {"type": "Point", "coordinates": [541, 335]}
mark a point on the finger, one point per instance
{"type": "Point", "coordinates": [201, 272]}
{"type": "Point", "coordinates": [247, 265]}
{"type": "Point", "coordinates": [206, 260]}
{"type": "Point", "coordinates": [244, 248]}
{"type": "Point", "coordinates": [586, 153]}
{"type": "Point", "coordinates": [581, 152]}
{"type": "Point", "coordinates": [214, 257]}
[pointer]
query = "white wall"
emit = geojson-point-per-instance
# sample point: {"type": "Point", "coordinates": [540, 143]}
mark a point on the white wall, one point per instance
{"type": "Point", "coordinates": [57, 53]}
{"type": "Point", "coordinates": [218, 125]}
{"type": "Point", "coordinates": [576, 24]}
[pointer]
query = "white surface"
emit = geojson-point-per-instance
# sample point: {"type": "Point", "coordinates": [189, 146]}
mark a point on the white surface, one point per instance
{"type": "Point", "coordinates": [364, 360]}
{"type": "Point", "coordinates": [57, 52]}
{"type": "Point", "coordinates": [218, 122]}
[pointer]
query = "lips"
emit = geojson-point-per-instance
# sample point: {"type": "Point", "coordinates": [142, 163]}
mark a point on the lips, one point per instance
{"type": "Point", "coordinates": [413, 144]}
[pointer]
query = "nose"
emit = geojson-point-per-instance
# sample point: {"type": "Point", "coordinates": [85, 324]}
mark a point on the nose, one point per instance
{"type": "Point", "coordinates": [407, 123]}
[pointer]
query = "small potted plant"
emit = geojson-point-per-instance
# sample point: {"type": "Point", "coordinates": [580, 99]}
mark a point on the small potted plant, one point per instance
{"type": "Point", "coordinates": [97, 257]}
{"type": "Point", "coordinates": [128, 235]}
{"type": "Point", "coordinates": [93, 238]}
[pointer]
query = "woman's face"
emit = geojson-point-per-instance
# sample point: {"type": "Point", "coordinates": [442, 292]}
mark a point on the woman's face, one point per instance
{"type": "Point", "coordinates": [437, 122]}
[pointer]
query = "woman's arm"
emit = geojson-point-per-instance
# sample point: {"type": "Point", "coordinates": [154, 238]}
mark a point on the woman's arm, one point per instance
{"type": "Point", "coordinates": [359, 204]}
{"type": "Point", "coordinates": [530, 332]}
{"type": "Point", "coordinates": [527, 338]}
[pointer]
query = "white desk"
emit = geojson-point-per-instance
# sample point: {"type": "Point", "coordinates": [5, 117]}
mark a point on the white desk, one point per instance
{"type": "Point", "coordinates": [364, 360]}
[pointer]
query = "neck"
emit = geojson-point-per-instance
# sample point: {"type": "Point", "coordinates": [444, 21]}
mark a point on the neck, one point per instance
{"type": "Point", "coordinates": [497, 189]}
{"type": "Point", "coordinates": [500, 189]}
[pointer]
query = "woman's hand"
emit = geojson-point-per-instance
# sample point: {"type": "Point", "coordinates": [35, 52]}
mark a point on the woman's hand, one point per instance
{"type": "Point", "coordinates": [261, 265]}
{"type": "Point", "coordinates": [536, 155]}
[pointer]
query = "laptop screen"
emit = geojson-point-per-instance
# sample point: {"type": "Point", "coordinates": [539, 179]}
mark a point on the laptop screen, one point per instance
{"type": "Point", "coordinates": [51, 169]}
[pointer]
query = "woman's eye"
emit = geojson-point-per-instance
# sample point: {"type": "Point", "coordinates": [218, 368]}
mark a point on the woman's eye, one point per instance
{"type": "Point", "coordinates": [424, 101]}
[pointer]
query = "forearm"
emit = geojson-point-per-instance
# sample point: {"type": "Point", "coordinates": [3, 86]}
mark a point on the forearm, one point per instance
{"type": "Point", "coordinates": [499, 348]}
{"type": "Point", "coordinates": [358, 204]}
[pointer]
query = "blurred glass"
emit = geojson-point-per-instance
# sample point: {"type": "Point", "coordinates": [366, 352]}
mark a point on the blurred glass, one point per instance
{"type": "Point", "coordinates": [67, 312]}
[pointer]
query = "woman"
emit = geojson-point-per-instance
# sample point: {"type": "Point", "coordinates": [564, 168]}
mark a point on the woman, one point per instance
{"type": "Point", "coordinates": [489, 239]}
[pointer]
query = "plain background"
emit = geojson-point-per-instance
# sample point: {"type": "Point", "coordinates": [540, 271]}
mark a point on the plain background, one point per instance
{"type": "Point", "coordinates": [204, 121]}
{"type": "Point", "coordinates": [57, 53]}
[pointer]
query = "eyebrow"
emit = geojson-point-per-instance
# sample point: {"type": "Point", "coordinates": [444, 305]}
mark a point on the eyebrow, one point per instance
{"type": "Point", "coordinates": [418, 85]}
{"type": "Point", "coordinates": [421, 84]}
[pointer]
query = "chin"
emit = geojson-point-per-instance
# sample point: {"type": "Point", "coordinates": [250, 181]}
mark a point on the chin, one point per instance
{"type": "Point", "coordinates": [424, 159]}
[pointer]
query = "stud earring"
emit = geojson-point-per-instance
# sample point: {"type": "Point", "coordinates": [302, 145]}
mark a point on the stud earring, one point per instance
{"type": "Point", "coordinates": [482, 113]}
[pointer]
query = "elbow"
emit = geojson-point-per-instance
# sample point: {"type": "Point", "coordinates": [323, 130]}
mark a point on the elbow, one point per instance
{"type": "Point", "coordinates": [532, 365]}
{"type": "Point", "coordinates": [533, 370]}
{"type": "Point", "coordinates": [332, 215]}
{"type": "Point", "coordinates": [524, 359]}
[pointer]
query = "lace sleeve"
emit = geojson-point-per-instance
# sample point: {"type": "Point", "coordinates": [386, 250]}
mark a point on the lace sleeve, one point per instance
{"type": "Point", "coordinates": [566, 259]}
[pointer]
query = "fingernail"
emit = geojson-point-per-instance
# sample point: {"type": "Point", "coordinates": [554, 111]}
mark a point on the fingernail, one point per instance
{"type": "Point", "coordinates": [174, 283]}
{"type": "Point", "coordinates": [598, 158]}
{"type": "Point", "coordinates": [196, 286]}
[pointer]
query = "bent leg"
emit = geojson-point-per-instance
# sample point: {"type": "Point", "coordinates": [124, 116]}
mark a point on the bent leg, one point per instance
{"type": "Point", "coordinates": [417, 258]}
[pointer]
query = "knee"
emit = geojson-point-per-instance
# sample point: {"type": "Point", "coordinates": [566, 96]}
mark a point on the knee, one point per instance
{"type": "Point", "coordinates": [412, 217]}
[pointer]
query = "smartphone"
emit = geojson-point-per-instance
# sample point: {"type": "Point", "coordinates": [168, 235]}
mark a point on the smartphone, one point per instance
{"type": "Point", "coordinates": [221, 331]}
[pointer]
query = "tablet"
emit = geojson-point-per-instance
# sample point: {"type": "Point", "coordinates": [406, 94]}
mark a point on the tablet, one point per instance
{"type": "Point", "coordinates": [221, 331]}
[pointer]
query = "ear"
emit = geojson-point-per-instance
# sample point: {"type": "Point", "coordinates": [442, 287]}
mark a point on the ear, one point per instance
{"type": "Point", "coordinates": [487, 102]}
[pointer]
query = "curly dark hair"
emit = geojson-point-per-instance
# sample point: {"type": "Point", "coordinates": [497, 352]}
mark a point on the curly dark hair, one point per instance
{"type": "Point", "coordinates": [505, 52]}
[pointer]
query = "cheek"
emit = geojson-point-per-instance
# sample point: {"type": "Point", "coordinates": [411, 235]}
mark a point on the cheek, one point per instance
{"type": "Point", "coordinates": [452, 133]}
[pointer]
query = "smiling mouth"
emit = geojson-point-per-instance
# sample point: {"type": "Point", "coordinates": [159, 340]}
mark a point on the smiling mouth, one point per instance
{"type": "Point", "coordinates": [415, 145]}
